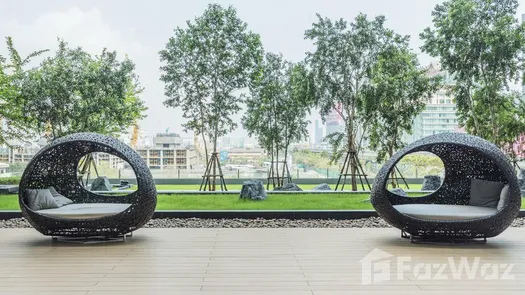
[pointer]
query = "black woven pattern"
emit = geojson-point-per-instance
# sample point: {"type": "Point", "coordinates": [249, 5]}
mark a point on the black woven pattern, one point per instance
{"type": "Point", "coordinates": [464, 157]}
{"type": "Point", "coordinates": [56, 165]}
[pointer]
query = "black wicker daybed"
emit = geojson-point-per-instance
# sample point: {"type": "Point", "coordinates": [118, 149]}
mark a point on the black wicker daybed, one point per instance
{"type": "Point", "coordinates": [54, 170]}
{"type": "Point", "coordinates": [478, 199]}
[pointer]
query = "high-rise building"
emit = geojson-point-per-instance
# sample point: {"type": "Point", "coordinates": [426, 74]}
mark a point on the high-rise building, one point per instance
{"type": "Point", "coordinates": [439, 115]}
{"type": "Point", "coordinates": [334, 121]}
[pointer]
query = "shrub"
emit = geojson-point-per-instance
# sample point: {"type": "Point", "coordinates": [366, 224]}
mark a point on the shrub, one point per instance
{"type": "Point", "coordinates": [14, 180]}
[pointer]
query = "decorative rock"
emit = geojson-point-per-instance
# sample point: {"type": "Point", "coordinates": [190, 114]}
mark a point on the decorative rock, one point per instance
{"type": "Point", "coordinates": [289, 187]}
{"type": "Point", "coordinates": [431, 183]}
{"type": "Point", "coordinates": [398, 191]}
{"type": "Point", "coordinates": [253, 190]}
{"type": "Point", "coordinates": [372, 222]}
{"type": "Point", "coordinates": [322, 187]}
{"type": "Point", "coordinates": [101, 184]}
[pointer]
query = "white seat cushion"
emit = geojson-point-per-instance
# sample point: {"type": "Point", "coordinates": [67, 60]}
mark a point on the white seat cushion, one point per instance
{"type": "Point", "coordinates": [85, 211]}
{"type": "Point", "coordinates": [443, 212]}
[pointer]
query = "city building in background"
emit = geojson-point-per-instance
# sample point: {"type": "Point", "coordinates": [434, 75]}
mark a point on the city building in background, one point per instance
{"type": "Point", "coordinates": [110, 161]}
{"type": "Point", "coordinates": [3, 168]}
{"type": "Point", "coordinates": [334, 121]}
{"type": "Point", "coordinates": [19, 152]}
{"type": "Point", "coordinates": [439, 115]}
{"type": "Point", "coordinates": [167, 152]}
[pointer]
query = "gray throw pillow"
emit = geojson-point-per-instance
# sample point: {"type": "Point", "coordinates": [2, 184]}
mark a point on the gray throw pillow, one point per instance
{"type": "Point", "coordinates": [484, 193]}
{"type": "Point", "coordinates": [503, 197]}
{"type": "Point", "coordinates": [61, 200]}
{"type": "Point", "coordinates": [39, 199]}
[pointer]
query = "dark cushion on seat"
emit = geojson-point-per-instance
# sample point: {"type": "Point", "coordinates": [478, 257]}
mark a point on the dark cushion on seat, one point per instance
{"type": "Point", "coordinates": [39, 199]}
{"type": "Point", "coordinates": [485, 193]}
{"type": "Point", "coordinates": [61, 200]}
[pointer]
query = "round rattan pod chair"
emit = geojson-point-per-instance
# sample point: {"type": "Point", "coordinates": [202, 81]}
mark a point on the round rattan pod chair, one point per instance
{"type": "Point", "coordinates": [56, 166]}
{"type": "Point", "coordinates": [473, 168]}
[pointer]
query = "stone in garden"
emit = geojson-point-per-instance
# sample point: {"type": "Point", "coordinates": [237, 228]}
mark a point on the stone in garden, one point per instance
{"type": "Point", "coordinates": [101, 184]}
{"type": "Point", "coordinates": [431, 183]}
{"type": "Point", "coordinates": [253, 190]}
{"type": "Point", "coordinates": [322, 187]}
{"type": "Point", "coordinates": [289, 187]}
{"type": "Point", "coordinates": [398, 191]}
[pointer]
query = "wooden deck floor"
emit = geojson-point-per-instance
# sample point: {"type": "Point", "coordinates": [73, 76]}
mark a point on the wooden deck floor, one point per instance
{"type": "Point", "coordinates": [257, 261]}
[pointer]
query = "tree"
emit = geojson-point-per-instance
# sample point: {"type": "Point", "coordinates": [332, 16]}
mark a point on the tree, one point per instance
{"type": "Point", "coordinates": [205, 66]}
{"type": "Point", "coordinates": [299, 98]}
{"type": "Point", "coordinates": [480, 43]}
{"type": "Point", "coordinates": [510, 115]}
{"type": "Point", "coordinates": [276, 111]}
{"type": "Point", "coordinates": [11, 112]}
{"type": "Point", "coordinates": [76, 92]}
{"type": "Point", "coordinates": [342, 62]}
{"type": "Point", "coordinates": [265, 109]}
{"type": "Point", "coordinates": [399, 91]}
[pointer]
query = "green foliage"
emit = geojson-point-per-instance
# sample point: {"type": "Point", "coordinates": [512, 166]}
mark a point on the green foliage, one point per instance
{"type": "Point", "coordinates": [76, 92]}
{"type": "Point", "coordinates": [265, 105]}
{"type": "Point", "coordinates": [11, 75]}
{"type": "Point", "coordinates": [280, 100]}
{"type": "Point", "coordinates": [399, 91]}
{"type": "Point", "coordinates": [480, 42]}
{"type": "Point", "coordinates": [205, 65]}
{"type": "Point", "coordinates": [342, 65]}
{"type": "Point", "coordinates": [14, 180]}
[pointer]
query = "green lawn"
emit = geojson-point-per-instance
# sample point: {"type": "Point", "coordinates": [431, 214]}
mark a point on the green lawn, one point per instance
{"type": "Point", "coordinates": [9, 202]}
{"type": "Point", "coordinates": [232, 202]}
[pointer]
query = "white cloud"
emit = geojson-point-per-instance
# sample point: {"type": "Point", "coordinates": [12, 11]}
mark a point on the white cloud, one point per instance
{"type": "Point", "coordinates": [78, 28]}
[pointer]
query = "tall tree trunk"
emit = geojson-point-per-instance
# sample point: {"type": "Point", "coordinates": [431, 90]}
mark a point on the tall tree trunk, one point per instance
{"type": "Point", "coordinates": [215, 159]}
{"type": "Point", "coordinates": [285, 159]}
{"type": "Point", "coordinates": [205, 149]}
{"type": "Point", "coordinates": [353, 165]}
{"type": "Point", "coordinates": [204, 136]}
{"type": "Point", "coordinates": [352, 151]}
{"type": "Point", "coordinates": [286, 144]}
{"type": "Point", "coordinates": [393, 173]}
{"type": "Point", "coordinates": [271, 172]}
{"type": "Point", "coordinates": [472, 113]}
{"type": "Point", "coordinates": [391, 146]}
{"type": "Point", "coordinates": [277, 167]}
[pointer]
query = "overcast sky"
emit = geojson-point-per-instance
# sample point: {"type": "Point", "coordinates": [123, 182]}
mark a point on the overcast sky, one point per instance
{"type": "Point", "coordinates": [141, 28]}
